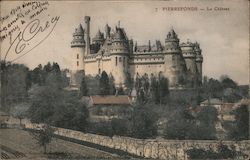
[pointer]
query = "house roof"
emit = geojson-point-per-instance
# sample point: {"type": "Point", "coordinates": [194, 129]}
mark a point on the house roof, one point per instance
{"type": "Point", "coordinates": [110, 100]}
{"type": "Point", "coordinates": [245, 102]}
{"type": "Point", "coordinates": [212, 101]}
{"type": "Point", "coordinates": [227, 107]}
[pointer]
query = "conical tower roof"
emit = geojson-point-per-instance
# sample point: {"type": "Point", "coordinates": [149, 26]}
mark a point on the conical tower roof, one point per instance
{"type": "Point", "coordinates": [79, 30]}
{"type": "Point", "coordinates": [78, 37]}
{"type": "Point", "coordinates": [119, 35]}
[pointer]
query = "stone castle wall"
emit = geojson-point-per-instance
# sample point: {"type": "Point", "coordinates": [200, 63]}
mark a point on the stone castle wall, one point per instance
{"type": "Point", "coordinates": [148, 148]}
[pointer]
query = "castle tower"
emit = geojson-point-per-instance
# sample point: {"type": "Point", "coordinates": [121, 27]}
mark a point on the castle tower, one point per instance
{"type": "Point", "coordinates": [99, 38]}
{"type": "Point", "coordinates": [119, 56]}
{"type": "Point", "coordinates": [172, 58]}
{"type": "Point", "coordinates": [189, 55]}
{"type": "Point", "coordinates": [78, 49]}
{"type": "Point", "coordinates": [198, 60]}
{"type": "Point", "coordinates": [87, 34]}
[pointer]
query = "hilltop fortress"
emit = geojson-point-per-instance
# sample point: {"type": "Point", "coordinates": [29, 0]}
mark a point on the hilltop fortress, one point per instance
{"type": "Point", "coordinates": [120, 57]}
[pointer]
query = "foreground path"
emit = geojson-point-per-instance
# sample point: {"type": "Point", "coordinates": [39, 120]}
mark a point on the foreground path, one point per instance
{"type": "Point", "coordinates": [19, 144]}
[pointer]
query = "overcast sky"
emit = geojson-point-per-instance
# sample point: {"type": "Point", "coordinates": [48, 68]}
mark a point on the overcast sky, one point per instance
{"type": "Point", "coordinates": [223, 35]}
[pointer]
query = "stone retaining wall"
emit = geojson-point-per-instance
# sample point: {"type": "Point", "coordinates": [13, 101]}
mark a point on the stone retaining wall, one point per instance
{"type": "Point", "coordinates": [149, 148]}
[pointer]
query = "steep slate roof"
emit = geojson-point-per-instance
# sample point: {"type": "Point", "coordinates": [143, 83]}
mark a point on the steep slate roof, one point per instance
{"type": "Point", "coordinates": [79, 30]}
{"type": "Point", "coordinates": [110, 100]}
{"type": "Point", "coordinates": [120, 34]}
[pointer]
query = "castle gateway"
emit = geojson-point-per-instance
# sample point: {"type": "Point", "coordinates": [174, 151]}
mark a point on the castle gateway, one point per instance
{"type": "Point", "coordinates": [120, 57]}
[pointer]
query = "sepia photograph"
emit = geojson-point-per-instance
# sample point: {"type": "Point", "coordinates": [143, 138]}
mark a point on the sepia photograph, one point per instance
{"type": "Point", "coordinates": [124, 79]}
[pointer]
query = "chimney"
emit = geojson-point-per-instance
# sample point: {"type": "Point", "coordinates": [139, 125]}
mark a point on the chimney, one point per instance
{"type": "Point", "coordinates": [87, 37]}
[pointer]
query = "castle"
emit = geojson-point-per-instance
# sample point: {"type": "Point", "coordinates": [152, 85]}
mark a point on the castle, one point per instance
{"type": "Point", "coordinates": [119, 56]}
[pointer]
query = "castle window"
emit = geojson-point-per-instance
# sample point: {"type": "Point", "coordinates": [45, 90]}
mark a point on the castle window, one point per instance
{"type": "Point", "coordinates": [116, 61]}
{"type": "Point", "coordinates": [120, 59]}
{"type": "Point", "coordinates": [77, 56]}
{"type": "Point", "coordinates": [77, 63]}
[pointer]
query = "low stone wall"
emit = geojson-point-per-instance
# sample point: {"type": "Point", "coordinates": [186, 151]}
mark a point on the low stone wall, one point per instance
{"type": "Point", "coordinates": [149, 148]}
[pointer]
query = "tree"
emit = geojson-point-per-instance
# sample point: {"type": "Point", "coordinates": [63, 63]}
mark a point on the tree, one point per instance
{"type": "Point", "coordinates": [223, 152]}
{"type": "Point", "coordinates": [14, 84]}
{"type": "Point", "coordinates": [186, 126]}
{"type": "Point", "coordinates": [43, 103]}
{"type": "Point", "coordinates": [43, 136]}
{"type": "Point", "coordinates": [227, 82]}
{"type": "Point", "coordinates": [128, 80]}
{"type": "Point", "coordinates": [241, 129]}
{"type": "Point", "coordinates": [37, 75]}
{"type": "Point", "coordinates": [144, 122]}
{"type": "Point", "coordinates": [159, 89]}
{"type": "Point", "coordinates": [20, 111]}
{"type": "Point", "coordinates": [214, 88]}
{"type": "Point", "coordinates": [58, 108]}
{"type": "Point", "coordinates": [104, 84]}
{"type": "Point", "coordinates": [71, 113]}
{"type": "Point", "coordinates": [120, 127]}
{"type": "Point", "coordinates": [163, 88]}
{"type": "Point", "coordinates": [83, 88]}
{"type": "Point", "coordinates": [112, 85]}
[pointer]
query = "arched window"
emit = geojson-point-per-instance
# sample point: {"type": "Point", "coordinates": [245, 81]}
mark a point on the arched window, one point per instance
{"type": "Point", "coordinates": [116, 61]}
{"type": "Point", "coordinates": [77, 56]}
{"type": "Point", "coordinates": [77, 63]}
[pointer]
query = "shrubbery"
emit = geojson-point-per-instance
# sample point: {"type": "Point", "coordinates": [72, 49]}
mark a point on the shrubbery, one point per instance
{"type": "Point", "coordinates": [223, 153]}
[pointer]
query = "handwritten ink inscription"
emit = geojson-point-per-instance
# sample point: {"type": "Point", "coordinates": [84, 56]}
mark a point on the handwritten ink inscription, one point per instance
{"type": "Point", "coordinates": [25, 26]}
{"type": "Point", "coordinates": [32, 35]}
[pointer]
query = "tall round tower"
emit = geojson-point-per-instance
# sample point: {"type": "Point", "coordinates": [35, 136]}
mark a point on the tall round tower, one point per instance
{"type": "Point", "coordinates": [199, 61]}
{"type": "Point", "coordinates": [189, 55]}
{"type": "Point", "coordinates": [172, 58]}
{"type": "Point", "coordinates": [119, 57]}
{"type": "Point", "coordinates": [78, 47]}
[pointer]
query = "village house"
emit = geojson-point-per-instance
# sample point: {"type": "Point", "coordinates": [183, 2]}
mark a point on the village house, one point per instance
{"type": "Point", "coordinates": [106, 108]}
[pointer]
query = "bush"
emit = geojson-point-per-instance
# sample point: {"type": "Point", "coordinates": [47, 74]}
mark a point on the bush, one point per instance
{"type": "Point", "coordinates": [223, 153]}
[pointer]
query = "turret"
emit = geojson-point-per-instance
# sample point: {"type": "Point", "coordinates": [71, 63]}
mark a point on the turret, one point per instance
{"type": "Point", "coordinates": [78, 48]}
{"type": "Point", "coordinates": [99, 38]}
{"type": "Point", "coordinates": [119, 56]}
{"type": "Point", "coordinates": [172, 42]}
{"type": "Point", "coordinates": [87, 34]}
{"type": "Point", "coordinates": [199, 61]}
{"type": "Point", "coordinates": [78, 37]}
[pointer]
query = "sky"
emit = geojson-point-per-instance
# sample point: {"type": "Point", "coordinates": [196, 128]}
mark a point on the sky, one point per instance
{"type": "Point", "coordinates": [223, 34]}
